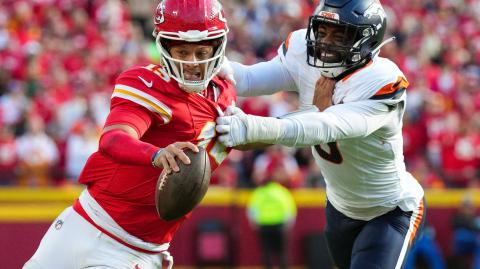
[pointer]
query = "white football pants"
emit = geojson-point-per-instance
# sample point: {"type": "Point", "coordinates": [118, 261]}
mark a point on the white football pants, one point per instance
{"type": "Point", "coordinates": [73, 243]}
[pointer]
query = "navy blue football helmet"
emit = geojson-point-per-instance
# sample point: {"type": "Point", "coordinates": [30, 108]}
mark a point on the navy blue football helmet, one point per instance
{"type": "Point", "coordinates": [343, 35]}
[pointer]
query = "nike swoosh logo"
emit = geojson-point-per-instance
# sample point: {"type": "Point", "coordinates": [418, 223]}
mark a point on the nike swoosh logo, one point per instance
{"type": "Point", "coordinates": [148, 84]}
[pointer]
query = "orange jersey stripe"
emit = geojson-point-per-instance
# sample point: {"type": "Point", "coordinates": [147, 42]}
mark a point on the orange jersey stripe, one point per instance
{"type": "Point", "coordinates": [287, 41]}
{"type": "Point", "coordinates": [418, 221]}
{"type": "Point", "coordinates": [393, 87]}
{"type": "Point", "coordinates": [349, 76]}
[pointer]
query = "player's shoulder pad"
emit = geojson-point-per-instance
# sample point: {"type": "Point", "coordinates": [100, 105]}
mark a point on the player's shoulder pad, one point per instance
{"type": "Point", "coordinates": [294, 44]}
{"type": "Point", "coordinates": [142, 85]}
{"type": "Point", "coordinates": [148, 77]}
{"type": "Point", "coordinates": [224, 84]}
{"type": "Point", "coordinates": [292, 52]}
{"type": "Point", "coordinates": [379, 80]}
{"type": "Point", "coordinates": [393, 82]}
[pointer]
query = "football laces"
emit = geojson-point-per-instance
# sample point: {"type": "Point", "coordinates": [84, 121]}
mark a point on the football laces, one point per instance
{"type": "Point", "coordinates": [163, 180]}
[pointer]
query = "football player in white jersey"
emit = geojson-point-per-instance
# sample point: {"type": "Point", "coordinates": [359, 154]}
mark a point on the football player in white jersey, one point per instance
{"type": "Point", "coordinates": [374, 206]}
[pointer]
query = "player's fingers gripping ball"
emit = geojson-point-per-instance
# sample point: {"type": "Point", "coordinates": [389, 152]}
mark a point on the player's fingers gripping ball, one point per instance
{"type": "Point", "coordinates": [167, 157]}
{"type": "Point", "coordinates": [177, 193]}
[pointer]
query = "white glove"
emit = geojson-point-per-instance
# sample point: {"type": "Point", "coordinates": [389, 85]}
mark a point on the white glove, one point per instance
{"type": "Point", "coordinates": [226, 71]}
{"type": "Point", "coordinates": [232, 127]}
{"type": "Point", "coordinates": [237, 128]}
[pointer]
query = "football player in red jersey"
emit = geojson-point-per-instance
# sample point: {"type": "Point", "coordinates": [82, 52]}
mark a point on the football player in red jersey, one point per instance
{"type": "Point", "coordinates": [157, 111]}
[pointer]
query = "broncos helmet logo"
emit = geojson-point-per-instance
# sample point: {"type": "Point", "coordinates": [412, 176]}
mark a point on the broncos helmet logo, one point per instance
{"type": "Point", "coordinates": [375, 10]}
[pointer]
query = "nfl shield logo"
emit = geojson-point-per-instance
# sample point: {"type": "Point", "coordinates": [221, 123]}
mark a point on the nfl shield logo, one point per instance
{"type": "Point", "coordinates": [58, 224]}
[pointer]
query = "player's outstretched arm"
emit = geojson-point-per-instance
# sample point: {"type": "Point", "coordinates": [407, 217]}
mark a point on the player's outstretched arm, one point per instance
{"type": "Point", "coordinates": [304, 128]}
{"type": "Point", "coordinates": [263, 78]}
{"type": "Point", "coordinates": [322, 99]}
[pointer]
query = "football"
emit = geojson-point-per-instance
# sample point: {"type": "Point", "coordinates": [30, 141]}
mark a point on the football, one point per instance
{"type": "Point", "coordinates": [179, 192]}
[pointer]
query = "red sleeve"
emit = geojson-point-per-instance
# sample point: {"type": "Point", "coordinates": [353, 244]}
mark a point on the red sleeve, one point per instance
{"type": "Point", "coordinates": [123, 148]}
{"type": "Point", "coordinates": [119, 145]}
{"type": "Point", "coordinates": [131, 114]}
{"type": "Point", "coordinates": [143, 88]}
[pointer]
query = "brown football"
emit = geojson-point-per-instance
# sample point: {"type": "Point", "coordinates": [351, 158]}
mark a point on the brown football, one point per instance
{"type": "Point", "coordinates": [178, 193]}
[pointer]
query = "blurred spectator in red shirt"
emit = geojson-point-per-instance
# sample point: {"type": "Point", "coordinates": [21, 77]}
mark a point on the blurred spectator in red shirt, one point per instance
{"type": "Point", "coordinates": [274, 157]}
{"type": "Point", "coordinates": [460, 147]}
{"type": "Point", "coordinates": [59, 58]}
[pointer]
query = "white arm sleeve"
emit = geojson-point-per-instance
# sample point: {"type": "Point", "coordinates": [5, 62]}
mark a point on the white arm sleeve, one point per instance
{"type": "Point", "coordinates": [351, 120]}
{"type": "Point", "coordinates": [263, 78]}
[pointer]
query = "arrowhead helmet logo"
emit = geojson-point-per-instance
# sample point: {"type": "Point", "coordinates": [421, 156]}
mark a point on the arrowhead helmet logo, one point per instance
{"type": "Point", "coordinates": [218, 9]}
{"type": "Point", "coordinates": [375, 9]}
{"type": "Point", "coordinates": [160, 18]}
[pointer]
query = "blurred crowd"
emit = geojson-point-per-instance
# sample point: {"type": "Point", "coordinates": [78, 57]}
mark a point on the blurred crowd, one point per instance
{"type": "Point", "coordinates": [59, 60]}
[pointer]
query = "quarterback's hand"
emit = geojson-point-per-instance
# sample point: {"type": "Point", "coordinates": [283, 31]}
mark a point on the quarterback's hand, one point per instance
{"type": "Point", "coordinates": [233, 127]}
{"type": "Point", "coordinates": [165, 158]}
{"type": "Point", "coordinates": [322, 97]}
{"type": "Point", "coordinates": [226, 71]}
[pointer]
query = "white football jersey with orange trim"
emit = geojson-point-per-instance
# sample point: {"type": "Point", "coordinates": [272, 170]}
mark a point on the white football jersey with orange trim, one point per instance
{"type": "Point", "coordinates": [293, 54]}
{"type": "Point", "coordinates": [366, 176]}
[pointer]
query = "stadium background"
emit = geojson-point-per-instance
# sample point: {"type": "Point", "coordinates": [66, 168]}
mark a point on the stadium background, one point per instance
{"type": "Point", "coordinates": [59, 59]}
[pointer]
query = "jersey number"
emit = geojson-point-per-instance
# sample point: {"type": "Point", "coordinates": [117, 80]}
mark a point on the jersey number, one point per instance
{"type": "Point", "coordinates": [159, 71]}
{"type": "Point", "coordinates": [334, 156]}
{"type": "Point", "coordinates": [207, 139]}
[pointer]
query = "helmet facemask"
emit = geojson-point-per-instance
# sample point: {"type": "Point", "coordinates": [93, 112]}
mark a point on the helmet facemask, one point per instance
{"type": "Point", "coordinates": [337, 57]}
{"type": "Point", "coordinates": [176, 67]}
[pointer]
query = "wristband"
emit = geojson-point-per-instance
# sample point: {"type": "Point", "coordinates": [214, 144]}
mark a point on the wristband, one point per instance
{"type": "Point", "coordinates": [154, 156]}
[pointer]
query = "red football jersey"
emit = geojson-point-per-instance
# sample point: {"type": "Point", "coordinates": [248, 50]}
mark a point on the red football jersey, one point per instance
{"type": "Point", "coordinates": [127, 192]}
